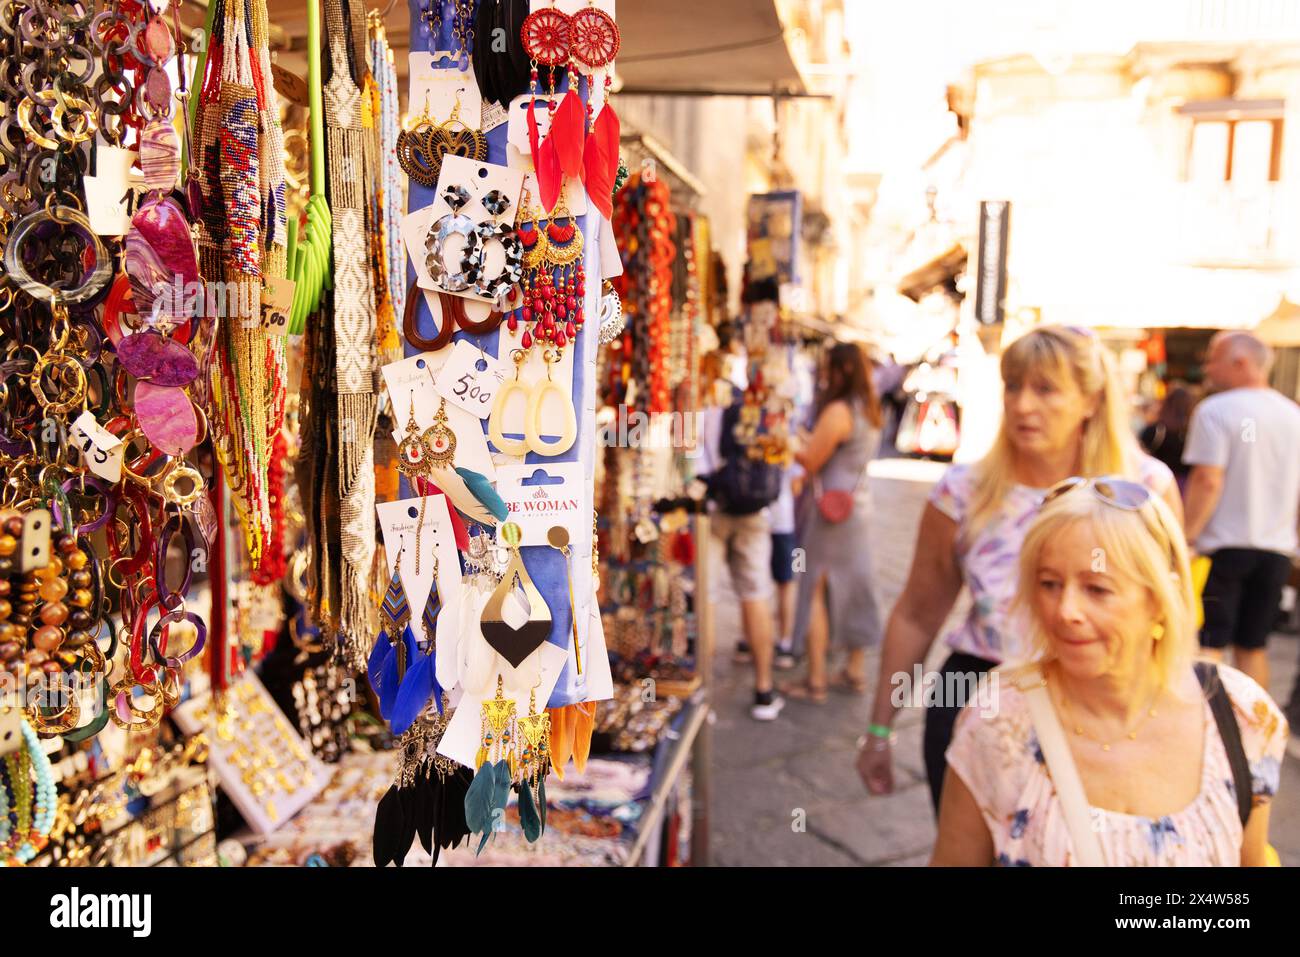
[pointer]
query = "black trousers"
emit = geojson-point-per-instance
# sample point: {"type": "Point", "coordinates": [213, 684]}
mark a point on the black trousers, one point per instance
{"type": "Point", "coordinates": [940, 718]}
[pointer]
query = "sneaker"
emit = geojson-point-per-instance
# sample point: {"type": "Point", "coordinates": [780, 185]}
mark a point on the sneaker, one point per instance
{"type": "Point", "coordinates": [784, 660]}
{"type": "Point", "coordinates": [742, 655]}
{"type": "Point", "coordinates": [768, 711]}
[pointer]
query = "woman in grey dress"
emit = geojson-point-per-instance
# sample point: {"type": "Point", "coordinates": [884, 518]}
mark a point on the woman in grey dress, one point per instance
{"type": "Point", "coordinates": [836, 592]}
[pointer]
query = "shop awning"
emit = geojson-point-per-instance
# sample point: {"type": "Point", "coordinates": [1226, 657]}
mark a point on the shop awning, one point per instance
{"type": "Point", "coordinates": [734, 47]}
{"type": "Point", "coordinates": [1282, 326]}
{"type": "Point", "coordinates": [705, 46]}
{"type": "Point", "coordinates": [944, 267]}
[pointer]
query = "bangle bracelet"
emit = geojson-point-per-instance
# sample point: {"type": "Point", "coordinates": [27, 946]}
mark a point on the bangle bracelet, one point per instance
{"type": "Point", "coordinates": [870, 742]}
{"type": "Point", "coordinates": [880, 731]}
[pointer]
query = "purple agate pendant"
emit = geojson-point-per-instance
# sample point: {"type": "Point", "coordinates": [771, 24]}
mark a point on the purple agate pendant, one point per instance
{"type": "Point", "coordinates": [161, 264]}
{"type": "Point", "coordinates": [156, 359]}
{"type": "Point", "coordinates": [160, 155]}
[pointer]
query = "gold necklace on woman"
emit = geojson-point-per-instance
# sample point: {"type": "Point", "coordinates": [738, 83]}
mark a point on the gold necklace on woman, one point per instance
{"type": "Point", "coordinates": [1131, 734]}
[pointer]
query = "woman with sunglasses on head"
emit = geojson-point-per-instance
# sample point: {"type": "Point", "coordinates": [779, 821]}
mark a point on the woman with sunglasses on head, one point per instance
{"type": "Point", "coordinates": [1109, 747]}
{"type": "Point", "coordinates": [1064, 414]}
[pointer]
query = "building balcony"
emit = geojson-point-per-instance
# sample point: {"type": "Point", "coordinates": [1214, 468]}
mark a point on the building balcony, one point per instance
{"type": "Point", "coordinates": [1226, 224]}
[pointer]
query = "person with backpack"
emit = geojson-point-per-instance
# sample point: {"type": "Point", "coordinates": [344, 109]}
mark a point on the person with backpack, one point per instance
{"type": "Point", "coordinates": [836, 591]}
{"type": "Point", "coordinates": [741, 486]}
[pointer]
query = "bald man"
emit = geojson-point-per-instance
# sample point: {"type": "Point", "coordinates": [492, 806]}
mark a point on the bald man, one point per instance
{"type": "Point", "coordinates": [1244, 448]}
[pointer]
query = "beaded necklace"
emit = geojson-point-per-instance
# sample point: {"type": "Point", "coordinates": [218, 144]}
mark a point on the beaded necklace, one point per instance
{"type": "Point", "coordinates": [27, 807]}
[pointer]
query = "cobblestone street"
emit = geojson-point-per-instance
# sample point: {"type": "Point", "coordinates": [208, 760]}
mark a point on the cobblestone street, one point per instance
{"type": "Point", "coordinates": [786, 792]}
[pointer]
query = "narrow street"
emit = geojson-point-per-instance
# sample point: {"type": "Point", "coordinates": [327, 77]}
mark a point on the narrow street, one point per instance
{"type": "Point", "coordinates": [787, 792]}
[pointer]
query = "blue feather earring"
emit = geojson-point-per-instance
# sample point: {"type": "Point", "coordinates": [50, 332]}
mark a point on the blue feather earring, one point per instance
{"type": "Point", "coordinates": [421, 682]}
{"type": "Point", "coordinates": [395, 647]}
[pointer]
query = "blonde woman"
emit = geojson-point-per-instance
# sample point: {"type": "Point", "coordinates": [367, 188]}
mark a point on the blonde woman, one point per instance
{"type": "Point", "coordinates": [1110, 748]}
{"type": "Point", "coordinates": [1064, 413]}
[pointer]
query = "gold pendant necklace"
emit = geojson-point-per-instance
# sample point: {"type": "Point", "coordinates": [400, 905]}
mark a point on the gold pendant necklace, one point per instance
{"type": "Point", "coordinates": [1131, 734]}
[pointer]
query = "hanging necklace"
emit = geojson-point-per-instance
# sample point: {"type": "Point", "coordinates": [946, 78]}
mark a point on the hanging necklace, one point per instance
{"type": "Point", "coordinates": [1131, 734]}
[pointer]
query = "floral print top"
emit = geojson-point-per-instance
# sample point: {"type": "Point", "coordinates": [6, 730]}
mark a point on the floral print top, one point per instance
{"type": "Point", "coordinates": [990, 563]}
{"type": "Point", "coordinates": [999, 760]}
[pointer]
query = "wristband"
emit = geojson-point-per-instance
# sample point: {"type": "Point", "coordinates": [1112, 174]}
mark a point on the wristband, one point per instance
{"type": "Point", "coordinates": [879, 731]}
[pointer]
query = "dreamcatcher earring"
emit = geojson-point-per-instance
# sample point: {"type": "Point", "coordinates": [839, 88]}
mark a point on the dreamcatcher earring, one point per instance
{"type": "Point", "coordinates": [595, 42]}
{"type": "Point", "coordinates": [534, 762]}
{"type": "Point", "coordinates": [420, 682]}
{"type": "Point", "coordinates": [395, 647]}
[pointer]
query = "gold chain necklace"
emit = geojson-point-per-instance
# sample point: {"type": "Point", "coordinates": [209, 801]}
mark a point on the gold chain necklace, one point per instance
{"type": "Point", "coordinates": [1131, 734]}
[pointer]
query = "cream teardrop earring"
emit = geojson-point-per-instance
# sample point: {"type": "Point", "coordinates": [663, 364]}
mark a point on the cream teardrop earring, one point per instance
{"type": "Point", "coordinates": [496, 419]}
{"type": "Point", "coordinates": [533, 415]}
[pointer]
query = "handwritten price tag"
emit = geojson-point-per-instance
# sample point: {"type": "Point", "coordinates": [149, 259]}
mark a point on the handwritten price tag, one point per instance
{"type": "Point", "coordinates": [101, 449]}
{"type": "Point", "coordinates": [277, 300]}
{"type": "Point", "coordinates": [470, 379]}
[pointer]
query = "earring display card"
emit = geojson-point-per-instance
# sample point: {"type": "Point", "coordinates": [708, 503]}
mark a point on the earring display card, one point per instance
{"type": "Point", "coordinates": [261, 762]}
{"type": "Point", "coordinates": [517, 145]}
{"type": "Point", "coordinates": [443, 87]}
{"type": "Point", "coordinates": [478, 179]}
{"type": "Point", "coordinates": [595, 660]}
{"type": "Point", "coordinates": [411, 380]}
{"type": "Point", "coordinates": [470, 378]}
{"type": "Point", "coordinates": [573, 195]}
{"type": "Point", "coordinates": [399, 522]}
{"type": "Point", "coordinates": [542, 496]}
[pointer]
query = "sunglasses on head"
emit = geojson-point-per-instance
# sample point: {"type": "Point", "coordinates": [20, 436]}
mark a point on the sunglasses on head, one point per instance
{"type": "Point", "coordinates": [1118, 492]}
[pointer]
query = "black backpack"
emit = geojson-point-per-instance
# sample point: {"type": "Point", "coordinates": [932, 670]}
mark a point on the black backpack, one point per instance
{"type": "Point", "coordinates": [742, 486]}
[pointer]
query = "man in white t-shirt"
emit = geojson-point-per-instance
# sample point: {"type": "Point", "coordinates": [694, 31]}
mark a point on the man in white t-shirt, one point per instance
{"type": "Point", "coordinates": [1244, 448]}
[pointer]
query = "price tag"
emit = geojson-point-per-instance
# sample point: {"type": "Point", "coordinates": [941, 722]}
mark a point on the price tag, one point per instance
{"type": "Point", "coordinates": [277, 300]}
{"type": "Point", "coordinates": [494, 114]}
{"type": "Point", "coordinates": [470, 379]}
{"type": "Point", "coordinates": [101, 449]}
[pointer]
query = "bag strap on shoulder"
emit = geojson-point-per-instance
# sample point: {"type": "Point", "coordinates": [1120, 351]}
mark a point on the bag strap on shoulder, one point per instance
{"type": "Point", "coordinates": [1220, 705]}
{"type": "Point", "coordinates": [1061, 769]}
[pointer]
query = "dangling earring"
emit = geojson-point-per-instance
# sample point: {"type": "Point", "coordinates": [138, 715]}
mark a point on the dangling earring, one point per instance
{"type": "Point", "coordinates": [421, 682]}
{"type": "Point", "coordinates": [395, 646]}
{"type": "Point", "coordinates": [490, 790]}
{"type": "Point", "coordinates": [533, 415]}
{"type": "Point", "coordinates": [534, 763]}
{"type": "Point", "coordinates": [495, 423]}
{"type": "Point", "coordinates": [413, 462]}
{"type": "Point", "coordinates": [515, 644]}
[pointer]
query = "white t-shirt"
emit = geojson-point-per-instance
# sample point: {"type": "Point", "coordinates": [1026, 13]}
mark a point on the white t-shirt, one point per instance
{"type": "Point", "coordinates": [1254, 436]}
